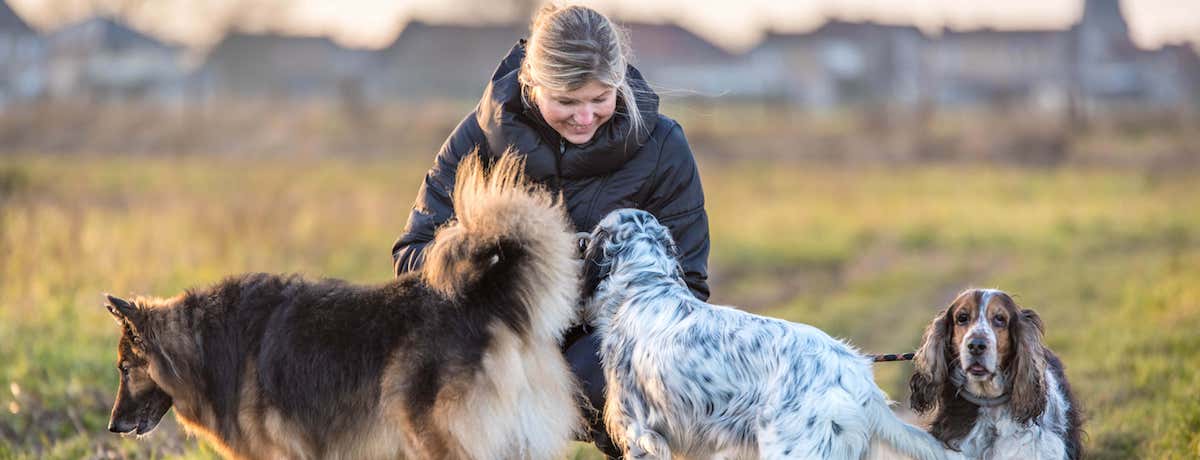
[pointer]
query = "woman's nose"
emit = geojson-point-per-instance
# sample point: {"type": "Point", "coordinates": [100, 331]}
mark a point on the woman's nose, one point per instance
{"type": "Point", "coordinates": [585, 116]}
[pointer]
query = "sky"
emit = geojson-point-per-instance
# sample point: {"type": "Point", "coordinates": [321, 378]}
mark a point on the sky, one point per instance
{"type": "Point", "coordinates": [734, 25]}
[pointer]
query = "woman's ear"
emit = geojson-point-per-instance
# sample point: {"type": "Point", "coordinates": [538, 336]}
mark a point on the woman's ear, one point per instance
{"type": "Point", "coordinates": [534, 94]}
{"type": "Point", "coordinates": [930, 364]}
{"type": "Point", "coordinates": [1027, 371]}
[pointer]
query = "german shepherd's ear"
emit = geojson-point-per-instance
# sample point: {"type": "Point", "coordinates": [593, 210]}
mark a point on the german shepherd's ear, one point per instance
{"type": "Point", "coordinates": [123, 310]}
{"type": "Point", "coordinates": [931, 365]}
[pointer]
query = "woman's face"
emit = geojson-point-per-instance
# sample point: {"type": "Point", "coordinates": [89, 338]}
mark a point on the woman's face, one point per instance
{"type": "Point", "coordinates": [576, 115]}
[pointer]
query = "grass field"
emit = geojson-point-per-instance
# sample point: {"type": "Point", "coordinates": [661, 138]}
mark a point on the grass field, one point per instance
{"type": "Point", "coordinates": [1109, 257]}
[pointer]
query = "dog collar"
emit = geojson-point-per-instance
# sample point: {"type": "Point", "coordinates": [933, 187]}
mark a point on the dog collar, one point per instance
{"type": "Point", "coordinates": [959, 379]}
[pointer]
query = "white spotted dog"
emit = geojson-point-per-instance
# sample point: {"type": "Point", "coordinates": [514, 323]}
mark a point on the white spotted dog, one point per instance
{"type": "Point", "coordinates": [996, 390]}
{"type": "Point", "coordinates": [686, 379]}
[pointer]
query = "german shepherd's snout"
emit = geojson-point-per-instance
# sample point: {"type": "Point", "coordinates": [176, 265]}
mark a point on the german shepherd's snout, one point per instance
{"type": "Point", "coordinates": [140, 403]}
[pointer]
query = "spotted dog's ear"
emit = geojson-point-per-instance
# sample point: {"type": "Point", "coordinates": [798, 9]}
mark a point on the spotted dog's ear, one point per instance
{"type": "Point", "coordinates": [931, 363]}
{"type": "Point", "coordinates": [662, 234]}
{"type": "Point", "coordinates": [1027, 367]}
{"type": "Point", "coordinates": [596, 263]}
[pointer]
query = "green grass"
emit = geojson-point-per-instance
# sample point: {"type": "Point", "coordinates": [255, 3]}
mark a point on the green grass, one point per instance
{"type": "Point", "coordinates": [1110, 258]}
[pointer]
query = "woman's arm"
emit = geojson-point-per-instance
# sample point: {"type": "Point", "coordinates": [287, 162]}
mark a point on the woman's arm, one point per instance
{"type": "Point", "coordinates": [677, 199]}
{"type": "Point", "coordinates": [433, 206]}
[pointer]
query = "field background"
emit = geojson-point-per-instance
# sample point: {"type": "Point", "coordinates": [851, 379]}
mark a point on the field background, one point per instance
{"type": "Point", "coordinates": [863, 225]}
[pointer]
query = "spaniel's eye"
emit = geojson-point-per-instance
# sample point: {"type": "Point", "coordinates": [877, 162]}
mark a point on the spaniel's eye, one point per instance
{"type": "Point", "coordinates": [962, 318]}
{"type": "Point", "coordinates": [999, 320]}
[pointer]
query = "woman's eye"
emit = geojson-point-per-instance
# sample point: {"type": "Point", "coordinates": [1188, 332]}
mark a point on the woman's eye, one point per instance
{"type": "Point", "coordinates": [567, 102]}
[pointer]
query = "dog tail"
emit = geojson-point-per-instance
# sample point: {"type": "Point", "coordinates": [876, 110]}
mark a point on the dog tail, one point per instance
{"type": "Point", "coordinates": [907, 439]}
{"type": "Point", "coordinates": [507, 234]}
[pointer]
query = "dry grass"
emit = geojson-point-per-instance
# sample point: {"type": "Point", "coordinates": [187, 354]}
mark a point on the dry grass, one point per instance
{"type": "Point", "coordinates": [1109, 255]}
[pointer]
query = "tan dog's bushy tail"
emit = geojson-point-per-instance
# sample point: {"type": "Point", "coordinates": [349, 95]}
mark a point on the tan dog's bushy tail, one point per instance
{"type": "Point", "coordinates": [510, 254]}
{"type": "Point", "coordinates": [504, 223]}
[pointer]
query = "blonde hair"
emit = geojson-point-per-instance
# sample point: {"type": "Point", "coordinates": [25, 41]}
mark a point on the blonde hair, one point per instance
{"type": "Point", "coordinates": [573, 45]}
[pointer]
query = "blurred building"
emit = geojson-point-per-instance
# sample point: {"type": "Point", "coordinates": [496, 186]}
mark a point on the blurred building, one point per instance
{"type": "Point", "coordinates": [1089, 67]}
{"type": "Point", "coordinates": [1093, 64]}
{"type": "Point", "coordinates": [104, 59]}
{"type": "Point", "coordinates": [22, 58]}
{"type": "Point", "coordinates": [439, 61]}
{"type": "Point", "coordinates": [1030, 68]}
{"type": "Point", "coordinates": [841, 63]}
{"type": "Point", "coordinates": [679, 63]}
{"type": "Point", "coordinates": [248, 65]}
{"type": "Point", "coordinates": [1115, 73]}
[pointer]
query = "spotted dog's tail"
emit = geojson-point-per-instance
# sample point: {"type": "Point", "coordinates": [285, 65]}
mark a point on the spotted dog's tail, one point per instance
{"type": "Point", "coordinates": [904, 438]}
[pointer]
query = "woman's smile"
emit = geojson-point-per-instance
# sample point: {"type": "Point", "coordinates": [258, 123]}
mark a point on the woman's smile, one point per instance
{"type": "Point", "coordinates": [580, 128]}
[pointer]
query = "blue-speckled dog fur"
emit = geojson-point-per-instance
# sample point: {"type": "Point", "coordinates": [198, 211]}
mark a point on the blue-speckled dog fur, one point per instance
{"type": "Point", "coordinates": [686, 379]}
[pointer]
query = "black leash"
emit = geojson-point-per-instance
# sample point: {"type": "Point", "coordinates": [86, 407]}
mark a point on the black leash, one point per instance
{"type": "Point", "coordinates": [900, 357]}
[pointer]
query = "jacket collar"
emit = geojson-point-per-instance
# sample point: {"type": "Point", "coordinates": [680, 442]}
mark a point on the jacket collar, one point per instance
{"type": "Point", "coordinates": [507, 120]}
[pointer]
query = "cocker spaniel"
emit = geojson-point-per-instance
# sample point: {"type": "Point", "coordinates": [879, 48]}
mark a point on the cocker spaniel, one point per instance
{"type": "Point", "coordinates": [996, 390]}
{"type": "Point", "coordinates": [693, 380]}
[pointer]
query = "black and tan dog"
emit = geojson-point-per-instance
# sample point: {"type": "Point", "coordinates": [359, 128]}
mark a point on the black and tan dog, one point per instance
{"type": "Point", "coordinates": [460, 360]}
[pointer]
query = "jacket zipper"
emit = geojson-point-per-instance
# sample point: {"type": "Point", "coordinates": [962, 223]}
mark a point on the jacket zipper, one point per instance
{"type": "Point", "coordinates": [596, 199]}
{"type": "Point", "coordinates": [562, 151]}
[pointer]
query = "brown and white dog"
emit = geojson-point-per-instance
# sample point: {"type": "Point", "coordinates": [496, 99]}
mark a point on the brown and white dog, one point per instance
{"type": "Point", "coordinates": [996, 390]}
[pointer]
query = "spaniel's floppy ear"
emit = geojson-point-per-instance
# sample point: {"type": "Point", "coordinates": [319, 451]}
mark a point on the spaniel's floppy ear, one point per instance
{"type": "Point", "coordinates": [930, 364]}
{"type": "Point", "coordinates": [1027, 367]}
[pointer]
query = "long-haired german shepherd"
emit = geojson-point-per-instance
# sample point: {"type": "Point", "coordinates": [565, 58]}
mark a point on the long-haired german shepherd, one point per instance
{"type": "Point", "coordinates": [460, 360]}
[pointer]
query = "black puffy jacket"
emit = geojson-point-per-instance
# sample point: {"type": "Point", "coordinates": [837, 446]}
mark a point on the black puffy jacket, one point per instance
{"type": "Point", "coordinates": [653, 170]}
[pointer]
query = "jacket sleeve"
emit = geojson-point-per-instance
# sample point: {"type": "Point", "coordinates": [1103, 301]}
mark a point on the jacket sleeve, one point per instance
{"type": "Point", "coordinates": [433, 205]}
{"type": "Point", "coordinates": [677, 199]}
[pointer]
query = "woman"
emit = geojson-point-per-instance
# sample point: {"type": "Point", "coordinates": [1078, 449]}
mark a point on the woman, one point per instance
{"type": "Point", "coordinates": [588, 126]}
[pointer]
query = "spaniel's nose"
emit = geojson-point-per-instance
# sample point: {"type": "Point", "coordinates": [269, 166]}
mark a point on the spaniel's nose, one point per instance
{"type": "Point", "coordinates": [977, 346]}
